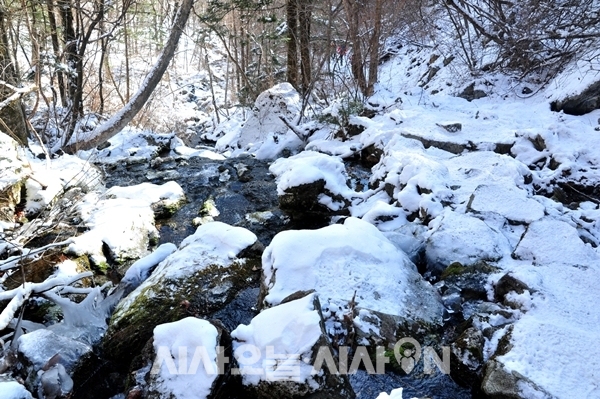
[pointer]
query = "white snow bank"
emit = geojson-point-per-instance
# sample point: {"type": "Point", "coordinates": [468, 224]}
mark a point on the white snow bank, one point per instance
{"type": "Point", "coordinates": [339, 260]}
{"type": "Point", "coordinates": [130, 144]}
{"type": "Point", "coordinates": [170, 193]}
{"type": "Point", "coordinates": [122, 219]}
{"type": "Point", "coordinates": [185, 366]}
{"type": "Point", "coordinates": [279, 341]}
{"type": "Point", "coordinates": [58, 175]}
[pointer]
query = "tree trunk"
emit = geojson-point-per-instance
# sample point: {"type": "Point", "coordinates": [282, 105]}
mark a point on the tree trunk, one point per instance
{"type": "Point", "coordinates": [125, 115]}
{"type": "Point", "coordinates": [292, 44]}
{"type": "Point", "coordinates": [356, 61]}
{"type": "Point", "coordinates": [56, 49]}
{"type": "Point", "coordinates": [374, 48]}
{"type": "Point", "coordinates": [304, 17]}
{"type": "Point", "coordinates": [12, 115]}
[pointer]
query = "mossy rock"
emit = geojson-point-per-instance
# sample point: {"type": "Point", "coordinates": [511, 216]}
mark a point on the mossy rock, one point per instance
{"type": "Point", "coordinates": [200, 294]}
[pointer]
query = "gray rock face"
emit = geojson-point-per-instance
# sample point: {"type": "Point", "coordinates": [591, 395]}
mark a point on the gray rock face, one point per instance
{"type": "Point", "coordinates": [579, 104]}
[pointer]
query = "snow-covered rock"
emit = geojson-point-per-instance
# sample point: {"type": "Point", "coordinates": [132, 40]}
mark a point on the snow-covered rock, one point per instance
{"type": "Point", "coordinates": [264, 133]}
{"type": "Point", "coordinates": [200, 278]}
{"type": "Point", "coordinates": [539, 245]}
{"type": "Point", "coordinates": [283, 342]}
{"type": "Point", "coordinates": [510, 202]}
{"type": "Point", "coordinates": [311, 182]}
{"type": "Point", "coordinates": [341, 261]}
{"type": "Point", "coordinates": [123, 220]}
{"type": "Point", "coordinates": [185, 365]}
{"type": "Point", "coordinates": [456, 237]}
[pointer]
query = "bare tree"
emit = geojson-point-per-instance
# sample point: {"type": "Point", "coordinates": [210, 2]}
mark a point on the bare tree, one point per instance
{"type": "Point", "coordinates": [119, 120]}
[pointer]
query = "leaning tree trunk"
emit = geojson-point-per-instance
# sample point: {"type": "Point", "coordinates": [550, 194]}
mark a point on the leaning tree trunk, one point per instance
{"type": "Point", "coordinates": [126, 114]}
{"type": "Point", "coordinates": [12, 117]}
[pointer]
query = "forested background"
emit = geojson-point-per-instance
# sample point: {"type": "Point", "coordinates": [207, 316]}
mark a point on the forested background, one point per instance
{"type": "Point", "coordinates": [69, 59]}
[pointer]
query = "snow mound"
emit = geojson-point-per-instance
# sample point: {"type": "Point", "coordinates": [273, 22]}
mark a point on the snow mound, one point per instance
{"type": "Point", "coordinates": [264, 133]}
{"type": "Point", "coordinates": [341, 260]}
{"type": "Point", "coordinates": [57, 176]}
{"type": "Point", "coordinates": [554, 344]}
{"type": "Point", "coordinates": [284, 337]}
{"type": "Point", "coordinates": [191, 343]}
{"type": "Point", "coordinates": [170, 192]}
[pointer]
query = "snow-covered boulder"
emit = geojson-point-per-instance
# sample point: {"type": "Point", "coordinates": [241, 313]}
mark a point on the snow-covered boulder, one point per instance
{"type": "Point", "coordinates": [264, 133]}
{"type": "Point", "coordinates": [283, 343]}
{"type": "Point", "coordinates": [456, 237]}
{"type": "Point", "coordinates": [185, 360]}
{"type": "Point", "coordinates": [312, 183]}
{"type": "Point", "coordinates": [123, 220]}
{"type": "Point", "coordinates": [510, 202]}
{"type": "Point", "coordinates": [349, 263]}
{"type": "Point", "coordinates": [200, 278]}
{"type": "Point", "coordinates": [550, 241]}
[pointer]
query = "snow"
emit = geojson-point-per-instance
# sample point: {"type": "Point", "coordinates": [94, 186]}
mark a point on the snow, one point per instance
{"type": "Point", "coordinates": [456, 237]}
{"type": "Point", "coordinates": [555, 342]}
{"type": "Point", "coordinates": [122, 219]}
{"type": "Point", "coordinates": [213, 243]}
{"type": "Point", "coordinates": [139, 271]}
{"type": "Point", "coordinates": [341, 260]}
{"type": "Point", "coordinates": [278, 342]}
{"type": "Point", "coordinates": [14, 390]}
{"type": "Point", "coordinates": [190, 343]}
{"type": "Point", "coordinates": [510, 202]}
{"type": "Point", "coordinates": [308, 167]}
{"type": "Point", "coordinates": [395, 394]}
{"type": "Point", "coordinates": [263, 133]}
{"type": "Point", "coordinates": [539, 245]}
{"type": "Point", "coordinates": [170, 192]}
